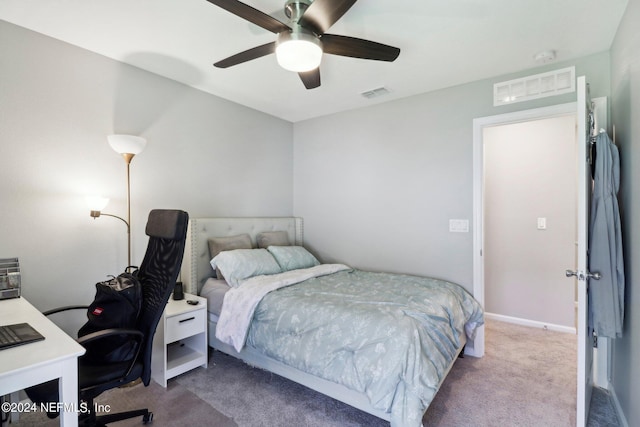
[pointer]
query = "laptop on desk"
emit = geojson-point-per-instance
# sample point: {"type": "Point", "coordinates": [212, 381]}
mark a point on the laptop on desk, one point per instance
{"type": "Point", "coordinates": [18, 334]}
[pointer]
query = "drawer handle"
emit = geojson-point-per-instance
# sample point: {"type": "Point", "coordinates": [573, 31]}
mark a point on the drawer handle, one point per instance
{"type": "Point", "coordinates": [186, 320]}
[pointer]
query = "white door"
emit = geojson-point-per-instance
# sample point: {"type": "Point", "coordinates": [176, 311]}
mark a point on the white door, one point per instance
{"type": "Point", "coordinates": [585, 347]}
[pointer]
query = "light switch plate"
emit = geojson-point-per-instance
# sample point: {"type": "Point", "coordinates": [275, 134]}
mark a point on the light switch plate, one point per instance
{"type": "Point", "coordinates": [542, 223]}
{"type": "Point", "coordinates": [459, 225]}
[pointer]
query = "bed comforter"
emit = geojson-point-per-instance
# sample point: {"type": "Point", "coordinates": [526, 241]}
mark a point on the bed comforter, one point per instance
{"type": "Point", "coordinates": [390, 336]}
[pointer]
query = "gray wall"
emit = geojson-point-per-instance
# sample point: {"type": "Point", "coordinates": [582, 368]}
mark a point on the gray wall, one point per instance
{"type": "Point", "coordinates": [625, 113]}
{"type": "Point", "coordinates": [377, 186]}
{"type": "Point", "coordinates": [205, 155]}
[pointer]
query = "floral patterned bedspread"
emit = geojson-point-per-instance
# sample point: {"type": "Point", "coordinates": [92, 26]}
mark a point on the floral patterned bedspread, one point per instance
{"type": "Point", "coordinates": [390, 336]}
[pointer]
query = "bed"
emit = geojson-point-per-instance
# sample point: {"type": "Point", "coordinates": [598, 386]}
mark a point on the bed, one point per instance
{"type": "Point", "coordinates": [398, 345]}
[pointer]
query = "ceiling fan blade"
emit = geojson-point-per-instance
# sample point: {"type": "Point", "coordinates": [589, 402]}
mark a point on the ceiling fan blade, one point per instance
{"type": "Point", "coordinates": [322, 14]}
{"type": "Point", "coordinates": [311, 79]}
{"type": "Point", "coordinates": [247, 55]}
{"type": "Point", "coordinates": [358, 48]}
{"type": "Point", "coordinates": [252, 15]}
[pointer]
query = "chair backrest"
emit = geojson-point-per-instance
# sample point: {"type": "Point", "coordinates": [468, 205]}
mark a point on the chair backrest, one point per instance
{"type": "Point", "coordinates": [158, 272]}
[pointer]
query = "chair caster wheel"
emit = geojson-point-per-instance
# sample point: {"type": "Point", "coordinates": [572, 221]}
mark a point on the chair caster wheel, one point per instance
{"type": "Point", "coordinates": [146, 419]}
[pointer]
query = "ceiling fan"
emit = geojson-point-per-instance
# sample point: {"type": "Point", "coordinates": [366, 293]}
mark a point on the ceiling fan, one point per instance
{"type": "Point", "coordinates": [302, 41]}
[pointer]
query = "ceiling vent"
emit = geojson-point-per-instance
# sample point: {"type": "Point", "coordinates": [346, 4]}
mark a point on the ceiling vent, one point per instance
{"type": "Point", "coordinates": [533, 87]}
{"type": "Point", "coordinates": [374, 93]}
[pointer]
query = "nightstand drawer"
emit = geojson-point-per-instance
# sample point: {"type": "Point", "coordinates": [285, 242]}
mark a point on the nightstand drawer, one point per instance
{"type": "Point", "coordinates": [185, 325]}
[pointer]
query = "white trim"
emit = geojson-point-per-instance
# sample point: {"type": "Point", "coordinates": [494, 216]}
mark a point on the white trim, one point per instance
{"type": "Point", "coordinates": [619, 411]}
{"type": "Point", "coordinates": [531, 323]}
{"type": "Point", "coordinates": [584, 386]}
{"type": "Point", "coordinates": [601, 355]}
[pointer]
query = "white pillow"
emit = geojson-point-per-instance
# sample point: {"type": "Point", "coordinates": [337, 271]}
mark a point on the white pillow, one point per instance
{"type": "Point", "coordinates": [293, 257]}
{"type": "Point", "coordinates": [240, 264]}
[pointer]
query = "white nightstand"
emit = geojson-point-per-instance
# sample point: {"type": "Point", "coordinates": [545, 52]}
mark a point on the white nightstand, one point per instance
{"type": "Point", "coordinates": [180, 342]}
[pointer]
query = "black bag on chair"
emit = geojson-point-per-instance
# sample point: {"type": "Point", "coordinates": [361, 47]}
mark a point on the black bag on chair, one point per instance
{"type": "Point", "coordinates": [116, 305]}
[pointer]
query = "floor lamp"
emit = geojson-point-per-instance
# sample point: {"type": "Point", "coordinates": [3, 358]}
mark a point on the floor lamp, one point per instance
{"type": "Point", "coordinates": [128, 146]}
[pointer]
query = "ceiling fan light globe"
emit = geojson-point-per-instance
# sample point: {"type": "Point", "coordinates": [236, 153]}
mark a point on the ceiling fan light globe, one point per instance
{"type": "Point", "coordinates": [298, 52]}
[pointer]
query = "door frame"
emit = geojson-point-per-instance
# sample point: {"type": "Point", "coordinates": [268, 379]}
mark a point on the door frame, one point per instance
{"type": "Point", "coordinates": [478, 190]}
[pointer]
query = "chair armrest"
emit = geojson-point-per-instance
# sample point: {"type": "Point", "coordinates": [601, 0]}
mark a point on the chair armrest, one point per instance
{"type": "Point", "coordinates": [110, 332]}
{"type": "Point", "coordinates": [69, 307]}
{"type": "Point", "coordinates": [139, 337]}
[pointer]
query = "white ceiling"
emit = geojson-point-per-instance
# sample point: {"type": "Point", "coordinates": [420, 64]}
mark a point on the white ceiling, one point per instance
{"type": "Point", "coordinates": [443, 43]}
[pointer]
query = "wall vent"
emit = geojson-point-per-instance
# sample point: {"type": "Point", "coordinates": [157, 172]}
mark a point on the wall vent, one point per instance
{"type": "Point", "coordinates": [374, 93]}
{"type": "Point", "coordinates": [533, 87]}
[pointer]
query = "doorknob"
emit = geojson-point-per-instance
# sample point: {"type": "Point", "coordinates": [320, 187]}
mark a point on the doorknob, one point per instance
{"type": "Point", "coordinates": [595, 275]}
{"type": "Point", "coordinates": [582, 275]}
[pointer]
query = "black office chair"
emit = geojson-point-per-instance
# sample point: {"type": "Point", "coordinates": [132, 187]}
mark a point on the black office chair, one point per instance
{"type": "Point", "coordinates": [158, 272]}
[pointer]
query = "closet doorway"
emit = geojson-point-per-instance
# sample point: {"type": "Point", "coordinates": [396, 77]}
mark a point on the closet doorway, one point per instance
{"type": "Point", "coordinates": [479, 126]}
{"type": "Point", "coordinates": [530, 221]}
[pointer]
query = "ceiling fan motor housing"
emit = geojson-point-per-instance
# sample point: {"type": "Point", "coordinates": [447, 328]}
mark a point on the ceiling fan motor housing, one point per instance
{"type": "Point", "coordinates": [295, 8]}
{"type": "Point", "coordinates": [298, 33]}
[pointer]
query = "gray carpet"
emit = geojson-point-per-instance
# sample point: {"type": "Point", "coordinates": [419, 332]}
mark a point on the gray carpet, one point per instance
{"type": "Point", "coordinates": [602, 412]}
{"type": "Point", "coordinates": [527, 378]}
{"type": "Point", "coordinates": [173, 406]}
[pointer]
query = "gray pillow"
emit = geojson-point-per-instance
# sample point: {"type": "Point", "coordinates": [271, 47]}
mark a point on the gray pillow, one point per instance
{"type": "Point", "coordinates": [272, 238]}
{"type": "Point", "coordinates": [293, 257]}
{"type": "Point", "coordinates": [240, 264]}
{"type": "Point", "coordinates": [227, 243]}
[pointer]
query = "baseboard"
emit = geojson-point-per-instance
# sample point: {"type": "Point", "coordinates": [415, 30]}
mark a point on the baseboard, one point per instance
{"type": "Point", "coordinates": [530, 323]}
{"type": "Point", "coordinates": [616, 404]}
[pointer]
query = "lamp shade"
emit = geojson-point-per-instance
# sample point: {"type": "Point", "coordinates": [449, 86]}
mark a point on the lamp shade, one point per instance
{"type": "Point", "coordinates": [127, 144]}
{"type": "Point", "coordinates": [298, 51]}
{"type": "Point", "coordinates": [96, 203]}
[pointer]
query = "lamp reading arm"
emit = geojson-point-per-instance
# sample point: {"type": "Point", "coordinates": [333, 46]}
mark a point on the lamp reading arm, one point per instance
{"type": "Point", "coordinates": [96, 214]}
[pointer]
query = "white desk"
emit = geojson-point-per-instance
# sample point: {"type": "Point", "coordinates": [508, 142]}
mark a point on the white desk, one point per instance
{"type": "Point", "coordinates": [30, 364]}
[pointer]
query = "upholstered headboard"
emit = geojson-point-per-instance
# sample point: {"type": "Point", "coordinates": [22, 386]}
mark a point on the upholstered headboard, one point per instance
{"type": "Point", "coordinates": [196, 268]}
